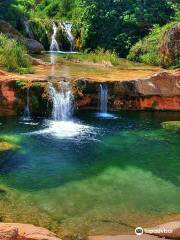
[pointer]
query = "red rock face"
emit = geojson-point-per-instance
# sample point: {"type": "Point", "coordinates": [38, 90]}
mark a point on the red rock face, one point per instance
{"type": "Point", "coordinates": [160, 103]}
{"type": "Point", "coordinates": [158, 92]}
{"type": "Point", "coordinates": [7, 99]}
{"type": "Point", "coordinates": [17, 231]}
{"type": "Point", "coordinates": [148, 103]}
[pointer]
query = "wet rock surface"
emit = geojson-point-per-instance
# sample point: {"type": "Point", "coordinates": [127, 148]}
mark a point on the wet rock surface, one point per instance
{"type": "Point", "coordinates": [169, 230]}
{"type": "Point", "coordinates": [17, 231]}
{"type": "Point", "coordinates": [124, 237]}
{"type": "Point", "coordinates": [158, 92]}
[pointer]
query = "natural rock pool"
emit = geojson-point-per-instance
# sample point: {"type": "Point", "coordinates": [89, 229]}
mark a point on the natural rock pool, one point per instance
{"type": "Point", "coordinates": [91, 175]}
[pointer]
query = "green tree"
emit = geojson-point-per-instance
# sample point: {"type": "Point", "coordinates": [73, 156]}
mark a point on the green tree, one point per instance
{"type": "Point", "coordinates": [118, 24]}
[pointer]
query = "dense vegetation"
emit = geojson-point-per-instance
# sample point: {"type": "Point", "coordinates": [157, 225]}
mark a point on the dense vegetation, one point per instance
{"type": "Point", "coordinates": [13, 56]}
{"type": "Point", "coordinates": [115, 25]}
{"type": "Point", "coordinates": [149, 49]}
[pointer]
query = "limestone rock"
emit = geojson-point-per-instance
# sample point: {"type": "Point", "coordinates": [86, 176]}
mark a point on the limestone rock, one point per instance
{"type": "Point", "coordinates": [33, 46]}
{"type": "Point", "coordinates": [165, 84]}
{"type": "Point", "coordinates": [9, 30]}
{"type": "Point", "coordinates": [124, 237]}
{"type": "Point", "coordinates": [17, 231]}
{"type": "Point", "coordinates": [168, 230]}
{"type": "Point", "coordinates": [170, 45]}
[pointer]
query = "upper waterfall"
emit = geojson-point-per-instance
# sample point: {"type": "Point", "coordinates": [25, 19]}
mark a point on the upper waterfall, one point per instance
{"type": "Point", "coordinates": [67, 27]}
{"type": "Point", "coordinates": [54, 44]}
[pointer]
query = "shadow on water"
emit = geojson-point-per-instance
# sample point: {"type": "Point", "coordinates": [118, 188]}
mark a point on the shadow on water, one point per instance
{"type": "Point", "coordinates": [134, 140]}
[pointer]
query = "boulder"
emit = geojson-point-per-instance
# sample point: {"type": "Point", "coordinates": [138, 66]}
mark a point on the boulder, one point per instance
{"type": "Point", "coordinates": [170, 45]}
{"type": "Point", "coordinates": [9, 30]}
{"type": "Point", "coordinates": [171, 125]}
{"type": "Point", "coordinates": [33, 45]}
{"type": "Point", "coordinates": [17, 231]}
{"type": "Point", "coordinates": [169, 230]}
{"type": "Point", "coordinates": [164, 84]}
{"type": "Point", "coordinates": [124, 237]}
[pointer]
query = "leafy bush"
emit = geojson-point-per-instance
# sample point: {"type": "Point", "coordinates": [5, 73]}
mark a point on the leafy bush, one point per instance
{"type": "Point", "coordinates": [147, 50]}
{"type": "Point", "coordinates": [13, 56]}
{"type": "Point", "coordinates": [55, 9]}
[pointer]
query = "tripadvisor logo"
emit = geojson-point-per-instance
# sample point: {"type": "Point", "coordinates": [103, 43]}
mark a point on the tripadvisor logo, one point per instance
{"type": "Point", "coordinates": [139, 231]}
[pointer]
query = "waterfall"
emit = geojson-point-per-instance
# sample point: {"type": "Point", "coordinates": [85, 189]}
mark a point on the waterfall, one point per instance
{"type": "Point", "coordinates": [28, 29]}
{"type": "Point", "coordinates": [54, 45]}
{"type": "Point", "coordinates": [27, 114]}
{"type": "Point", "coordinates": [67, 28]}
{"type": "Point", "coordinates": [62, 101]}
{"type": "Point", "coordinates": [103, 98]}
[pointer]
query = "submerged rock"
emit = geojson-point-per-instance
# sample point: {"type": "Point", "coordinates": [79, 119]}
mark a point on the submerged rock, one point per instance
{"type": "Point", "coordinates": [17, 231]}
{"type": "Point", "coordinates": [172, 125]}
{"type": "Point", "coordinates": [9, 142]}
{"type": "Point", "coordinates": [5, 146]}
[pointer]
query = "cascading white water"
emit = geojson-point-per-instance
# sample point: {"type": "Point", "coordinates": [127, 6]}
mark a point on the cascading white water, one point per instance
{"type": "Point", "coordinates": [27, 114]}
{"type": "Point", "coordinates": [62, 101]}
{"type": "Point", "coordinates": [103, 98]}
{"type": "Point", "coordinates": [67, 28]}
{"type": "Point", "coordinates": [28, 29]}
{"type": "Point", "coordinates": [62, 124]}
{"type": "Point", "coordinates": [54, 44]}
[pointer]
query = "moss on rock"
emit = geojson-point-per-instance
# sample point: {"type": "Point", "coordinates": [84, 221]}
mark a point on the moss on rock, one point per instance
{"type": "Point", "coordinates": [172, 125]}
{"type": "Point", "coordinates": [5, 146]}
{"type": "Point", "coordinates": [9, 142]}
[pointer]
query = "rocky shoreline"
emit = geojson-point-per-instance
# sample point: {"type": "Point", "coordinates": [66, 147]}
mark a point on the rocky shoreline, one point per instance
{"type": "Point", "coordinates": [18, 231]}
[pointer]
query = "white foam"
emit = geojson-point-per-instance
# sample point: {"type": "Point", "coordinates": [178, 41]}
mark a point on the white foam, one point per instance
{"type": "Point", "coordinates": [106, 115]}
{"type": "Point", "coordinates": [29, 123]}
{"type": "Point", "coordinates": [65, 129]}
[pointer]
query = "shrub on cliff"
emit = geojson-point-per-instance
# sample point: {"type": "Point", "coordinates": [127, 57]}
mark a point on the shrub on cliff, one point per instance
{"type": "Point", "coordinates": [158, 47]}
{"type": "Point", "coordinates": [13, 56]}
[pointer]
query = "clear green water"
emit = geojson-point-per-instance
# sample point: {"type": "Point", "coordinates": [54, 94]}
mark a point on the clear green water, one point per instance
{"type": "Point", "coordinates": [97, 176]}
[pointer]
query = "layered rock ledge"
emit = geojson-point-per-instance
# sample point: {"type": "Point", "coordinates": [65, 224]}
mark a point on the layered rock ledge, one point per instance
{"type": "Point", "coordinates": [160, 91]}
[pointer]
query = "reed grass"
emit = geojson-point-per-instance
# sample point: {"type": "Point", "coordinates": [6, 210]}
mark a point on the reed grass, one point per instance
{"type": "Point", "coordinates": [97, 56]}
{"type": "Point", "coordinates": [14, 56]}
